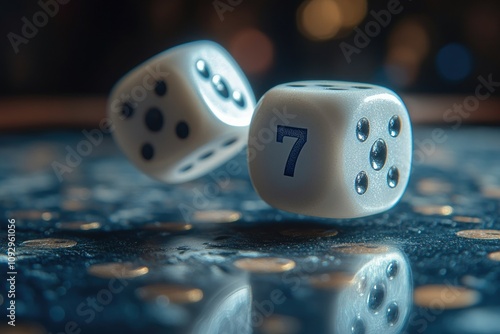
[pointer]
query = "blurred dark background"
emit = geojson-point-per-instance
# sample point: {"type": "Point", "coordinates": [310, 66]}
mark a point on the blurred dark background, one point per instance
{"type": "Point", "coordinates": [429, 46]}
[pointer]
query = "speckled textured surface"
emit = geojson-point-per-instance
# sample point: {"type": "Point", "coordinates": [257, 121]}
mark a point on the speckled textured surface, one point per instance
{"type": "Point", "coordinates": [179, 244]}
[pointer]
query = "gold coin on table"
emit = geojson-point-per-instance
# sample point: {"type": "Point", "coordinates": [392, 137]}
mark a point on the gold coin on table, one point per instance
{"type": "Point", "coordinates": [176, 294]}
{"type": "Point", "coordinates": [466, 219]}
{"type": "Point", "coordinates": [444, 296]}
{"type": "Point", "coordinates": [495, 256]}
{"type": "Point", "coordinates": [280, 324]}
{"type": "Point", "coordinates": [168, 226]}
{"type": "Point", "coordinates": [78, 226]}
{"type": "Point", "coordinates": [33, 215]}
{"type": "Point", "coordinates": [265, 264]}
{"type": "Point", "coordinates": [22, 328]}
{"type": "Point", "coordinates": [216, 216]}
{"type": "Point", "coordinates": [49, 243]}
{"type": "Point", "coordinates": [360, 248]}
{"type": "Point", "coordinates": [333, 280]}
{"type": "Point", "coordinates": [117, 270]}
{"type": "Point", "coordinates": [479, 234]}
{"type": "Point", "coordinates": [442, 210]}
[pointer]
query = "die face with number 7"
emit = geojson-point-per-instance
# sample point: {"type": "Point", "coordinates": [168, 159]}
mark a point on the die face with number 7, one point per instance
{"type": "Point", "coordinates": [344, 151]}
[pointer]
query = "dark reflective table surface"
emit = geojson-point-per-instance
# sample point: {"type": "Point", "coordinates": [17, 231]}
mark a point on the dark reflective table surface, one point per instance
{"type": "Point", "coordinates": [101, 248]}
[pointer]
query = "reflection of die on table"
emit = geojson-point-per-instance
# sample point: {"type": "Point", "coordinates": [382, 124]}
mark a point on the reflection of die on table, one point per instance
{"type": "Point", "coordinates": [357, 288]}
{"type": "Point", "coordinates": [343, 149]}
{"type": "Point", "coordinates": [183, 112]}
{"type": "Point", "coordinates": [227, 311]}
{"type": "Point", "coordinates": [378, 297]}
{"type": "Point", "coordinates": [205, 302]}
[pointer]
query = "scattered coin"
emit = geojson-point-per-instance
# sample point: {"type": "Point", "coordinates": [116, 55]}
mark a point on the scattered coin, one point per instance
{"type": "Point", "coordinates": [22, 328]}
{"type": "Point", "coordinates": [495, 256]}
{"type": "Point", "coordinates": [176, 294]}
{"type": "Point", "coordinates": [443, 210]}
{"type": "Point", "coordinates": [480, 234]}
{"type": "Point", "coordinates": [491, 192]}
{"type": "Point", "coordinates": [33, 215]}
{"type": "Point", "coordinates": [334, 280]}
{"type": "Point", "coordinates": [74, 205]}
{"type": "Point", "coordinates": [168, 226]}
{"type": "Point", "coordinates": [280, 324]}
{"type": "Point", "coordinates": [117, 270]}
{"type": "Point", "coordinates": [434, 186]}
{"type": "Point", "coordinates": [216, 216]}
{"type": "Point", "coordinates": [49, 243]}
{"type": "Point", "coordinates": [78, 226]}
{"type": "Point", "coordinates": [465, 219]}
{"type": "Point", "coordinates": [444, 296]}
{"type": "Point", "coordinates": [265, 264]}
{"type": "Point", "coordinates": [360, 248]}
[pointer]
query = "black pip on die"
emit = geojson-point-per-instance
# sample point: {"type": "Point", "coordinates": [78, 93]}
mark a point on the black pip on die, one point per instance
{"type": "Point", "coordinates": [345, 153]}
{"type": "Point", "coordinates": [183, 112]}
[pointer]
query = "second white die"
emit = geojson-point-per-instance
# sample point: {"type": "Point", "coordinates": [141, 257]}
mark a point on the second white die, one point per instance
{"type": "Point", "coordinates": [183, 112]}
{"type": "Point", "coordinates": [342, 151]}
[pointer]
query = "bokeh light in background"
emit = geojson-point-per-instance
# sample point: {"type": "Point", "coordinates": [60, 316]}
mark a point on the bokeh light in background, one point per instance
{"type": "Point", "coordinates": [352, 12]}
{"type": "Point", "coordinates": [482, 30]}
{"type": "Point", "coordinates": [253, 50]}
{"type": "Point", "coordinates": [454, 62]}
{"type": "Point", "coordinates": [162, 14]}
{"type": "Point", "coordinates": [321, 20]}
{"type": "Point", "coordinates": [274, 41]}
{"type": "Point", "coordinates": [408, 46]}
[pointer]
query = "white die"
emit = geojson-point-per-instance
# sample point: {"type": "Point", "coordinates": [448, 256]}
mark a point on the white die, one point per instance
{"type": "Point", "coordinates": [183, 112]}
{"type": "Point", "coordinates": [378, 299]}
{"type": "Point", "coordinates": [343, 151]}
